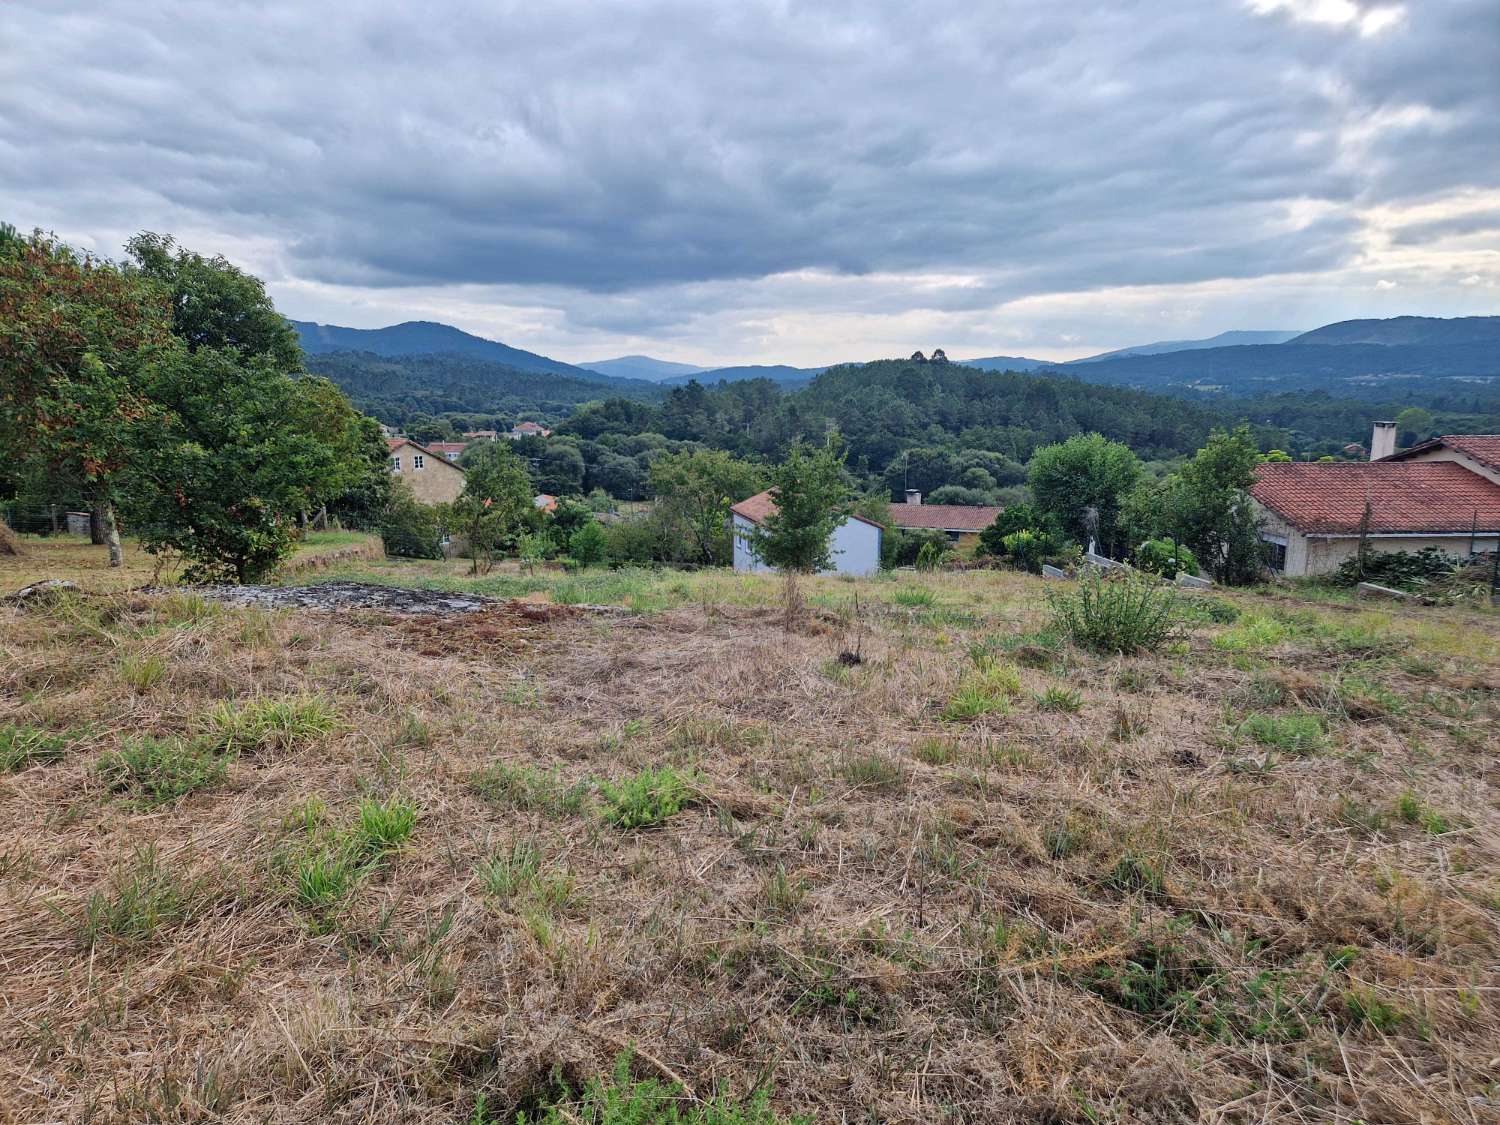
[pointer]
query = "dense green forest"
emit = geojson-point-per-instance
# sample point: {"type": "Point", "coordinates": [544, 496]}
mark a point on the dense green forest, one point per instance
{"type": "Point", "coordinates": [401, 390]}
{"type": "Point", "coordinates": [923, 423]}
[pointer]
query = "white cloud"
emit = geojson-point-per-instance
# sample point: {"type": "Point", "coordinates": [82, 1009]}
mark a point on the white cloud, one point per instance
{"type": "Point", "coordinates": [750, 180]}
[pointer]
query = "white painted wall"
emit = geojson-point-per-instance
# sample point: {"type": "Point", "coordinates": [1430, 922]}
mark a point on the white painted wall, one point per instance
{"type": "Point", "coordinates": [855, 548]}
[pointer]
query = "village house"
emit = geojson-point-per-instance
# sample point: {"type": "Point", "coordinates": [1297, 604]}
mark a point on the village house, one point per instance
{"type": "Point", "coordinates": [482, 435]}
{"type": "Point", "coordinates": [449, 449]}
{"type": "Point", "coordinates": [433, 478]}
{"type": "Point", "coordinates": [962, 523]}
{"type": "Point", "coordinates": [1443, 494]}
{"type": "Point", "coordinates": [854, 547]}
{"type": "Point", "coordinates": [527, 429]}
{"type": "Point", "coordinates": [545, 502]}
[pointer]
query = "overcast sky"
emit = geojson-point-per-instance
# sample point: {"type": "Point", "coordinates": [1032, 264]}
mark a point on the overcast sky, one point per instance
{"type": "Point", "coordinates": [754, 181]}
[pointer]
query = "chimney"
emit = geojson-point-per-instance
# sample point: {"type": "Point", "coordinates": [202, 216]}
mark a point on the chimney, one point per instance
{"type": "Point", "coordinates": [913, 496]}
{"type": "Point", "coordinates": [1383, 440]}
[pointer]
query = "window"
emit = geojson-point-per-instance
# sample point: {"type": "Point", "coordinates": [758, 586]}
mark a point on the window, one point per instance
{"type": "Point", "coordinates": [416, 461]}
{"type": "Point", "coordinates": [395, 464]}
{"type": "Point", "coordinates": [1275, 554]}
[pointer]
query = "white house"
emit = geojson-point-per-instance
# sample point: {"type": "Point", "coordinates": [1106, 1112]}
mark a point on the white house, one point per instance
{"type": "Point", "coordinates": [854, 547]}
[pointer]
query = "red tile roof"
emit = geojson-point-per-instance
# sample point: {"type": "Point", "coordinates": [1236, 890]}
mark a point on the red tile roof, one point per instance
{"type": "Point", "coordinates": [758, 507]}
{"type": "Point", "coordinates": [447, 447]}
{"type": "Point", "coordinates": [944, 517]}
{"type": "Point", "coordinates": [1405, 497]}
{"type": "Point", "coordinates": [1484, 448]}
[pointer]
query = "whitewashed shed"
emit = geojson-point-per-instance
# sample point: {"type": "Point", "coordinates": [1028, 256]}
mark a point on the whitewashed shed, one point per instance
{"type": "Point", "coordinates": [855, 546]}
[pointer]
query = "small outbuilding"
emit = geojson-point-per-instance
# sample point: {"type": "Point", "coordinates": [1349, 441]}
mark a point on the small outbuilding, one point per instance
{"type": "Point", "coordinates": [854, 546]}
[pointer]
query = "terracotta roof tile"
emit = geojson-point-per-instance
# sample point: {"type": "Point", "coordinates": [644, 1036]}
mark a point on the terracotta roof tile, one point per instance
{"type": "Point", "coordinates": [1484, 448]}
{"type": "Point", "coordinates": [944, 517]}
{"type": "Point", "coordinates": [1405, 497]}
{"type": "Point", "coordinates": [756, 508]}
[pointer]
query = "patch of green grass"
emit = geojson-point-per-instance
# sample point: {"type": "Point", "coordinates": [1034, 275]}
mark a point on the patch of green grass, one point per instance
{"type": "Point", "coordinates": [324, 877]}
{"type": "Point", "coordinates": [22, 747]}
{"type": "Point", "coordinates": [1205, 609]}
{"type": "Point", "coordinates": [383, 826]}
{"type": "Point", "coordinates": [530, 788]}
{"type": "Point", "coordinates": [872, 771]}
{"type": "Point", "coordinates": [781, 893]}
{"type": "Point", "coordinates": [621, 1100]}
{"type": "Point", "coordinates": [1298, 734]}
{"type": "Point", "coordinates": [1367, 1008]}
{"type": "Point", "coordinates": [914, 597]}
{"type": "Point", "coordinates": [935, 751]}
{"type": "Point", "coordinates": [520, 873]}
{"type": "Point", "coordinates": [139, 901]}
{"type": "Point", "coordinates": [1252, 633]}
{"type": "Point", "coordinates": [987, 690]}
{"type": "Point", "coordinates": [183, 607]}
{"type": "Point", "coordinates": [1413, 810]}
{"type": "Point", "coordinates": [142, 672]}
{"type": "Point", "coordinates": [1135, 872]}
{"type": "Point", "coordinates": [650, 798]}
{"type": "Point", "coordinates": [1057, 698]}
{"type": "Point", "coordinates": [268, 725]}
{"type": "Point", "coordinates": [160, 770]}
{"type": "Point", "coordinates": [1362, 698]}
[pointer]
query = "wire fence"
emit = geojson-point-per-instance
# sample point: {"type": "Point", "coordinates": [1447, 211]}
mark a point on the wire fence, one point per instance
{"type": "Point", "coordinates": [72, 519]}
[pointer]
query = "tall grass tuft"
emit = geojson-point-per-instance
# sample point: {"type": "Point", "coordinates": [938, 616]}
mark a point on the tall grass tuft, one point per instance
{"type": "Point", "coordinates": [24, 747]}
{"type": "Point", "coordinates": [1124, 613]}
{"type": "Point", "coordinates": [384, 825]}
{"type": "Point", "coordinates": [267, 725]}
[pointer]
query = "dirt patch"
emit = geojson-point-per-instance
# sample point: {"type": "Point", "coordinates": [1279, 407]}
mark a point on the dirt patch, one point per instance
{"type": "Point", "coordinates": [503, 628]}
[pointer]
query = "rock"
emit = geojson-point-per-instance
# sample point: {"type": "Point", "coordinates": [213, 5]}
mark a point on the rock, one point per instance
{"type": "Point", "coordinates": [1371, 590]}
{"type": "Point", "coordinates": [1192, 581]}
{"type": "Point", "coordinates": [1053, 572]}
{"type": "Point", "coordinates": [366, 595]}
{"type": "Point", "coordinates": [41, 591]}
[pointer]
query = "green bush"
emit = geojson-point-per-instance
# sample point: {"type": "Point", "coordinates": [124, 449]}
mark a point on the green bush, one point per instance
{"type": "Point", "coordinates": [589, 545]}
{"type": "Point", "coordinates": [1116, 613]}
{"type": "Point", "coordinates": [1166, 557]}
{"type": "Point", "coordinates": [409, 528]}
{"type": "Point", "coordinates": [1402, 570]}
{"type": "Point", "coordinates": [1029, 549]}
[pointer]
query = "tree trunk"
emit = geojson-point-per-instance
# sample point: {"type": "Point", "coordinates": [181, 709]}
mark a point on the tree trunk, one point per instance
{"type": "Point", "coordinates": [96, 525]}
{"type": "Point", "coordinates": [112, 536]}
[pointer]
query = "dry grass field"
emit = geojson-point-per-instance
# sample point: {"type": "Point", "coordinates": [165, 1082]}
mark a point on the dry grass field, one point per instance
{"type": "Point", "coordinates": [287, 867]}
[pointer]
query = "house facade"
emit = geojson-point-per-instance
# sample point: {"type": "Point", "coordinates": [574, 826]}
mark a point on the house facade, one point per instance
{"type": "Point", "coordinates": [1315, 515]}
{"type": "Point", "coordinates": [962, 523]}
{"type": "Point", "coordinates": [432, 477]}
{"type": "Point", "coordinates": [854, 545]}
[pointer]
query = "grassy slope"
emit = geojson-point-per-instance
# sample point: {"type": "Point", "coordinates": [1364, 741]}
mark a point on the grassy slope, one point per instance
{"type": "Point", "coordinates": [80, 561]}
{"type": "Point", "coordinates": [1255, 874]}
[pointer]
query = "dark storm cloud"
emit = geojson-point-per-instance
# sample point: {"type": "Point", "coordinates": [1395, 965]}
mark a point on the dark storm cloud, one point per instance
{"type": "Point", "coordinates": [636, 154]}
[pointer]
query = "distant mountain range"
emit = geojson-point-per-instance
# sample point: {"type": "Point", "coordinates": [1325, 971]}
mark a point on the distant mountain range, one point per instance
{"type": "Point", "coordinates": [643, 367]}
{"type": "Point", "coordinates": [1402, 358]}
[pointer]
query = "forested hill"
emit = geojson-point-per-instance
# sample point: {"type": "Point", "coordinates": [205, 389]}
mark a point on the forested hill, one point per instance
{"type": "Point", "coordinates": [882, 406]}
{"type": "Point", "coordinates": [1429, 330]}
{"type": "Point", "coordinates": [887, 406]}
{"type": "Point", "coordinates": [425, 337]}
{"type": "Point", "coordinates": [1422, 373]}
{"type": "Point", "coordinates": [397, 389]}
